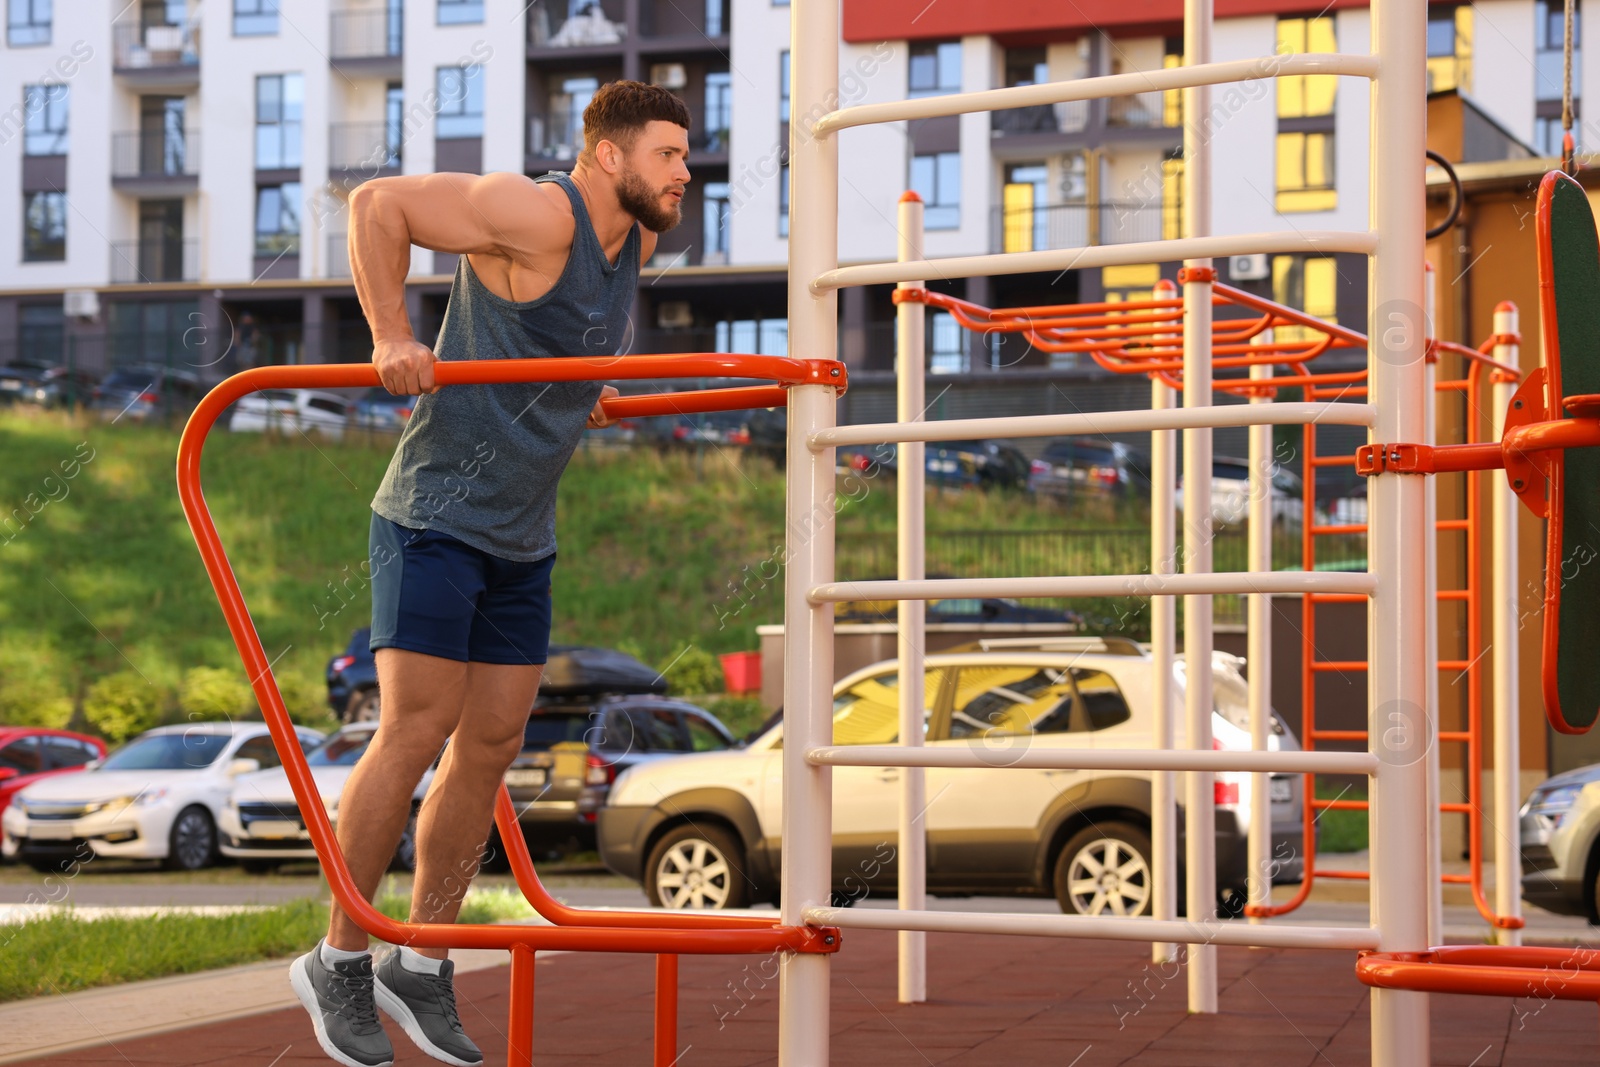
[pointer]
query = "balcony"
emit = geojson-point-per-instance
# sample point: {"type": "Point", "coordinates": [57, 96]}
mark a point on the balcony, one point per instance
{"type": "Point", "coordinates": [337, 263]}
{"type": "Point", "coordinates": [599, 29]}
{"type": "Point", "coordinates": [708, 132]}
{"type": "Point", "coordinates": [1040, 124]}
{"type": "Point", "coordinates": [147, 262]}
{"type": "Point", "coordinates": [156, 162]}
{"type": "Point", "coordinates": [556, 136]}
{"type": "Point", "coordinates": [1142, 111]}
{"type": "Point", "coordinates": [1055, 226]}
{"type": "Point", "coordinates": [156, 56]}
{"type": "Point", "coordinates": [675, 25]}
{"type": "Point", "coordinates": [366, 41]}
{"type": "Point", "coordinates": [361, 150]}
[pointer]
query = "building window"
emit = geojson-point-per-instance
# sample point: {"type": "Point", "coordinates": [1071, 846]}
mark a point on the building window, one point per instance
{"type": "Point", "coordinates": [277, 218]}
{"type": "Point", "coordinates": [1305, 160]}
{"type": "Point", "coordinates": [1024, 216]}
{"type": "Point", "coordinates": [460, 12]}
{"type": "Point", "coordinates": [937, 179]}
{"type": "Point", "coordinates": [40, 331]}
{"type": "Point", "coordinates": [947, 345]}
{"type": "Point", "coordinates": [280, 101]}
{"type": "Point", "coordinates": [761, 337]}
{"type": "Point", "coordinates": [460, 102]}
{"type": "Point", "coordinates": [783, 86]}
{"type": "Point", "coordinates": [1549, 67]}
{"type": "Point", "coordinates": [718, 212]}
{"type": "Point", "coordinates": [1172, 198]}
{"type": "Point", "coordinates": [716, 18]}
{"type": "Point", "coordinates": [935, 68]}
{"type": "Point", "coordinates": [1450, 48]}
{"type": "Point", "coordinates": [46, 108]}
{"type": "Point", "coordinates": [719, 110]}
{"type": "Point", "coordinates": [44, 227]}
{"type": "Point", "coordinates": [27, 22]}
{"type": "Point", "coordinates": [1305, 283]}
{"type": "Point", "coordinates": [1172, 99]}
{"type": "Point", "coordinates": [255, 18]}
{"type": "Point", "coordinates": [783, 200]}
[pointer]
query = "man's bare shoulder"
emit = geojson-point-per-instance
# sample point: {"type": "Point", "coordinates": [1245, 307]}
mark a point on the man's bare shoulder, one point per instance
{"type": "Point", "coordinates": [533, 217]}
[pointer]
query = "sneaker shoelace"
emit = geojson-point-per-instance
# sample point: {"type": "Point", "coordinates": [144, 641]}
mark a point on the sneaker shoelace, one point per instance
{"type": "Point", "coordinates": [358, 1004]}
{"type": "Point", "coordinates": [445, 989]}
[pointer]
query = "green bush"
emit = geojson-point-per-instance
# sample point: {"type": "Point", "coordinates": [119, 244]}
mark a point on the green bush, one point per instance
{"type": "Point", "coordinates": [123, 705]}
{"type": "Point", "coordinates": [694, 670]}
{"type": "Point", "coordinates": [739, 714]}
{"type": "Point", "coordinates": [31, 693]}
{"type": "Point", "coordinates": [305, 694]}
{"type": "Point", "coordinates": [215, 693]}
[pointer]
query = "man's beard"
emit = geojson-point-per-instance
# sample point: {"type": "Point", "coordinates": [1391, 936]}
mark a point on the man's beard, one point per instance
{"type": "Point", "coordinates": [644, 203]}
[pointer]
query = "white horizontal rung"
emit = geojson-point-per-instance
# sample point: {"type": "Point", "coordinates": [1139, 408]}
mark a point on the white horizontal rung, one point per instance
{"type": "Point", "coordinates": [1216, 583]}
{"type": "Point", "coordinates": [1237, 70]}
{"type": "Point", "coordinates": [1019, 750]}
{"type": "Point", "coordinates": [1098, 423]}
{"type": "Point", "coordinates": [1314, 242]}
{"type": "Point", "coordinates": [1104, 928]}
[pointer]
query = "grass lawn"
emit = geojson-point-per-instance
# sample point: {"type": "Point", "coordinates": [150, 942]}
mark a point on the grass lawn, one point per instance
{"type": "Point", "coordinates": [1341, 831]}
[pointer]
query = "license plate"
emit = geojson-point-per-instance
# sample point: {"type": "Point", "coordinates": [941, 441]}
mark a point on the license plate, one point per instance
{"type": "Point", "coordinates": [525, 777]}
{"type": "Point", "coordinates": [1282, 790]}
{"type": "Point", "coordinates": [43, 831]}
{"type": "Point", "coordinates": [274, 829]}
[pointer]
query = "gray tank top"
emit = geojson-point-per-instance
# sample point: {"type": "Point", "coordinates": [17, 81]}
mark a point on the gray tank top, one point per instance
{"type": "Point", "coordinates": [482, 462]}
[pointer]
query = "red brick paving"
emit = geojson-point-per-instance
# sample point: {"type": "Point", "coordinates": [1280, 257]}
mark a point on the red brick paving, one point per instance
{"type": "Point", "coordinates": [991, 1000]}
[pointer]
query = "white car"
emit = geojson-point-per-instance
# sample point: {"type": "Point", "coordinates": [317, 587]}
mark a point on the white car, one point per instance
{"type": "Point", "coordinates": [261, 825]}
{"type": "Point", "coordinates": [1230, 493]}
{"type": "Point", "coordinates": [703, 830]}
{"type": "Point", "coordinates": [292, 411]}
{"type": "Point", "coordinates": [157, 797]}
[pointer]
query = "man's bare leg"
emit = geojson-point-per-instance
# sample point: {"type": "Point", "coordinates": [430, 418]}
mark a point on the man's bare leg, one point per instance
{"type": "Point", "coordinates": [459, 808]}
{"type": "Point", "coordinates": [422, 702]}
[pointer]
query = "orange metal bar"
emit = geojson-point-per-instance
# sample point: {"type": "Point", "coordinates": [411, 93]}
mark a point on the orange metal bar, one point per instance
{"type": "Point", "coordinates": [1485, 970]}
{"type": "Point", "coordinates": [1346, 528]}
{"type": "Point", "coordinates": [1338, 665]}
{"type": "Point", "coordinates": [1334, 461]}
{"type": "Point", "coordinates": [519, 1029]}
{"type": "Point", "coordinates": [666, 1045]}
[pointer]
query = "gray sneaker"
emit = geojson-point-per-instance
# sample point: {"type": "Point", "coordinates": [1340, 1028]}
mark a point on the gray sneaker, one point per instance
{"type": "Point", "coordinates": [425, 1007]}
{"type": "Point", "coordinates": [340, 1002]}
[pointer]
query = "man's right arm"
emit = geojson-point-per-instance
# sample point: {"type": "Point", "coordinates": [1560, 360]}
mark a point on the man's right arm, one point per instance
{"type": "Point", "coordinates": [497, 214]}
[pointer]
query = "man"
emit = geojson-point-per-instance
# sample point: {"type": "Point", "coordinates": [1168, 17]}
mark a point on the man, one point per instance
{"type": "Point", "coordinates": [463, 526]}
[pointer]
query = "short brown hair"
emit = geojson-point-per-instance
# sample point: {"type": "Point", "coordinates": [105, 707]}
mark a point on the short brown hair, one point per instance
{"type": "Point", "coordinates": [621, 109]}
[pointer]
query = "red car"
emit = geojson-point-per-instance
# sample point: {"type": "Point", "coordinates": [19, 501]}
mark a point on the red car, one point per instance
{"type": "Point", "coordinates": [29, 753]}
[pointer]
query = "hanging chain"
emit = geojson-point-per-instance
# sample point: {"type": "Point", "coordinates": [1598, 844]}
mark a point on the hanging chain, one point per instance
{"type": "Point", "coordinates": [1568, 147]}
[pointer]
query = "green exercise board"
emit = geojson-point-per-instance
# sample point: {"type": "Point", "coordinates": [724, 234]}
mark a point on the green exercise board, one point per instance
{"type": "Point", "coordinates": [1569, 284]}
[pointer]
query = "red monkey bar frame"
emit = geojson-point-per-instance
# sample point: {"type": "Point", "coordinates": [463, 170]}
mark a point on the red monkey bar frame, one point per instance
{"type": "Point", "coordinates": [665, 934]}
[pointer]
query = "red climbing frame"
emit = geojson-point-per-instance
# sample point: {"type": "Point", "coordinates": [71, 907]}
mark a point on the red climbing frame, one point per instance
{"type": "Point", "coordinates": [665, 934]}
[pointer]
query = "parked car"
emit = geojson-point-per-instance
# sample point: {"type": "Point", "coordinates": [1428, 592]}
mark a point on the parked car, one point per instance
{"type": "Point", "coordinates": [157, 797]}
{"type": "Point", "coordinates": [379, 409]}
{"type": "Point", "coordinates": [957, 610]}
{"type": "Point", "coordinates": [46, 384]}
{"type": "Point", "coordinates": [573, 748]}
{"type": "Point", "coordinates": [984, 464]}
{"type": "Point", "coordinates": [703, 831]}
{"type": "Point", "coordinates": [706, 427]}
{"type": "Point", "coordinates": [31, 753]}
{"type": "Point", "coordinates": [292, 411]}
{"type": "Point", "coordinates": [1561, 843]}
{"type": "Point", "coordinates": [1230, 493]}
{"type": "Point", "coordinates": [142, 392]}
{"type": "Point", "coordinates": [261, 824]}
{"type": "Point", "coordinates": [1094, 466]}
{"type": "Point", "coordinates": [21, 383]}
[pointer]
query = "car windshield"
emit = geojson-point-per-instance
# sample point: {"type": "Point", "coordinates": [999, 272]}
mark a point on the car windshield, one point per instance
{"type": "Point", "coordinates": [1086, 453]}
{"type": "Point", "coordinates": [1231, 695]}
{"type": "Point", "coordinates": [188, 751]}
{"type": "Point", "coordinates": [341, 750]}
{"type": "Point", "coordinates": [545, 730]}
{"type": "Point", "coordinates": [123, 379]}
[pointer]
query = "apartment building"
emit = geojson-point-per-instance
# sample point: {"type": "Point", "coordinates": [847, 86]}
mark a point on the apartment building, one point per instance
{"type": "Point", "coordinates": [176, 170]}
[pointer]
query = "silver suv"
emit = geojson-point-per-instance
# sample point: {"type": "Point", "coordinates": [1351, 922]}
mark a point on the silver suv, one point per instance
{"type": "Point", "coordinates": [703, 831]}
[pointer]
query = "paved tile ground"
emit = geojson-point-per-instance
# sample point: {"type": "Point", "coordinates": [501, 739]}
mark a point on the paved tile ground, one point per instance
{"type": "Point", "coordinates": [992, 1001]}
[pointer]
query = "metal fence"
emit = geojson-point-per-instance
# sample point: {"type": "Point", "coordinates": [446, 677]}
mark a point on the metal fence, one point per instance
{"type": "Point", "coordinates": [373, 34]}
{"type": "Point", "coordinates": [175, 260]}
{"type": "Point", "coordinates": [155, 154]}
{"type": "Point", "coordinates": [138, 47]}
{"type": "Point", "coordinates": [1052, 226]}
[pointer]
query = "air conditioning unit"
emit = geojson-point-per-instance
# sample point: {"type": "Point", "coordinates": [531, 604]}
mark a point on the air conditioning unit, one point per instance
{"type": "Point", "coordinates": [1252, 268]}
{"type": "Point", "coordinates": [81, 303]}
{"type": "Point", "coordinates": [668, 75]}
{"type": "Point", "coordinates": [674, 315]}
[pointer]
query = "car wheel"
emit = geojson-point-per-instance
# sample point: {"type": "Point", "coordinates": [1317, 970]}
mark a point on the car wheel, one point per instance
{"type": "Point", "coordinates": [697, 867]}
{"type": "Point", "coordinates": [45, 865]}
{"type": "Point", "coordinates": [405, 853]}
{"type": "Point", "coordinates": [192, 844]}
{"type": "Point", "coordinates": [1105, 870]}
{"type": "Point", "coordinates": [363, 706]}
{"type": "Point", "coordinates": [258, 866]}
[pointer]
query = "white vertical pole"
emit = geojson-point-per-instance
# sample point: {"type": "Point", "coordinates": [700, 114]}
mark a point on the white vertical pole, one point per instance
{"type": "Point", "coordinates": [1259, 650]}
{"type": "Point", "coordinates": [1507, 747]}
{"type": "Point", "coordinates": [912, 643]}
{"type": "Point", "coordinates": [1430, 433]}
{"type": "Point", "coordinates": [1200, 801]}
{"type": "Point", "coordinates": [807, 877]}
{"type": "Point", "coordinates": [1396, 540]}
{"type": "Point", "coordinates": [1163, 640]}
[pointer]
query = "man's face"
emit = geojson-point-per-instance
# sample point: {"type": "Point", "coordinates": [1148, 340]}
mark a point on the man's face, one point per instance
{"type": "Point", "coordinates": [654, 173]}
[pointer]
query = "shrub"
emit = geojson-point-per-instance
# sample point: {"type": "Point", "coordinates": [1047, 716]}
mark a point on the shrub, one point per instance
{"type": "Point", "coordinates": [214, 693]}
{"type": "Point", "coordinates": [122, 705]}
{"type": "Point", "coordinates": [694, 670]}
{"type": "Point", "coordinates": [740, 715]}
{"type": "Point", "coordinates": [31, 693]}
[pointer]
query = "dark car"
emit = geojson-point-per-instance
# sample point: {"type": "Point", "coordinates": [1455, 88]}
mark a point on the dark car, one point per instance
{"type": "Point", "coordinates": [1090, 465]}
{"type": "Point", "coordinates": [144, 393]}
{"type": "Point", "coordinates": [378, 409]}
{"type": "Point", "coordinates": [22, 383]}
{"type": "Point", "coordinates": [574, 747]}
{"type": "Point", "coordinates": [982, 464]}
{"type": "Point", "coordinates": [705, 427]}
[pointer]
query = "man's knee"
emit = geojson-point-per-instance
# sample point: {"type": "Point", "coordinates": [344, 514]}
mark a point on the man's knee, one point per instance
{"type": "Point", "coordinates": [486, 747]}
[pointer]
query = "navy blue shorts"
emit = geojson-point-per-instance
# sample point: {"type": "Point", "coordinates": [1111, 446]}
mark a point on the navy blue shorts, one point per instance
{"type": "Point", "coordinates": [435, 595]}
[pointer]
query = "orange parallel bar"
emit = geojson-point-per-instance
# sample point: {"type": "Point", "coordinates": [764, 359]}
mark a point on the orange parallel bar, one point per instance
{"type": "Point", "coordinates": [1453, 524]}
{"type": "Point", "coordinates": [1455, 664]}
{"type": "Point", "coordinates": [1334, 461]}
{"type": "Point", "coordinates": [1349, 876]}
{"type": "Point", "coordinates": [1454, 594]}
{"type": "Point", "coordinates": [1487, 970]}
{"type": "Point", "coordinates": [1339, 665]}
{"type": "Point", "coordinates": [1346, 528]}
{"type": "Point", "coordinates": [1337, 598]}
{"type": "Point", "coordinates": [1338, 735]}
{"type": "Point", "coordinates": [1455, 735]}
{"type": "Point", "coordinates": [519, 1029]}
{"type": "Point", "coordinates": [666, 1043]}
{"type": "Point", "coordinates": [1458, 386]}
{"type": "Point", "coordinates": [610, 932]}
